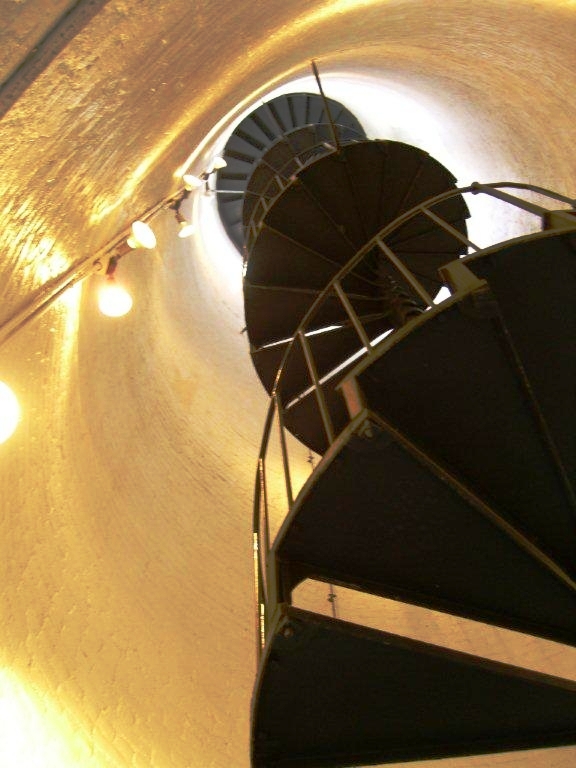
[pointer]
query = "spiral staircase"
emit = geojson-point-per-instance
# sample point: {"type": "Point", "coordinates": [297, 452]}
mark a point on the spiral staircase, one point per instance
{"type": "Point", "coordinates": [448, 454]}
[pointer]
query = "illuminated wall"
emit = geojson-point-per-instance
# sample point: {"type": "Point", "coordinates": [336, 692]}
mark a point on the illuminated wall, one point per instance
{"type": "Point", "coordinates": [126, 632]}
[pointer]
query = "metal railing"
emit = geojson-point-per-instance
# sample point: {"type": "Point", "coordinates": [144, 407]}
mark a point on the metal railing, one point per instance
{"type": "Point", "coordinates": [265, 591]}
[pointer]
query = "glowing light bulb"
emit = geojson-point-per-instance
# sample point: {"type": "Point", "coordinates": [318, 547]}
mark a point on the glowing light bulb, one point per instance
{"type": "Point", "coordinates": [218, 162]}
{"type": "Point", "coordinates": [192, 182]}
{"type": "Point", "coordinates": [9, 412]}
{"type": "Point", "coordinates": [113, 300]}
{"type": "Point", "coordinates": [186, 229]}
{"type": "Point", "coordinates": [142, 236]}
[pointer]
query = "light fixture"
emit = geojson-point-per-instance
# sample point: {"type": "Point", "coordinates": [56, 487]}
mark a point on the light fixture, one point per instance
{"type": "Point", "coordinates": [186, 227]}
{"type": "Point", "coordinates": [195, 182]}
{"type": "Point", "coordinates": [192, 182]}
{"type": "Point", "coordinates": [217, 164]}
{"type": "Point", "coordinates": [9, 412]}
{"type": "Point", "coordinates": [142, 236]}
{"type": "Point", "coordinates": [113, 299]}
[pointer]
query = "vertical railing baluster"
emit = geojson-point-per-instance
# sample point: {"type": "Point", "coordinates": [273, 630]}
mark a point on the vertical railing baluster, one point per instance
{"type": "Point", "coordinates": [354, 319]}
{"type": "Point", "coordinates": [448, 228]}
{"type": "Point", "coordinates": [264, 497]}
{"type": "Point", "coordinates": [285, 458]}
{"type": "Point", "coordinates": [261, 534]}
{"type": "Point", "coordinates": [404, 271]}
{"type": "Point", "coordinates": [322, 405]}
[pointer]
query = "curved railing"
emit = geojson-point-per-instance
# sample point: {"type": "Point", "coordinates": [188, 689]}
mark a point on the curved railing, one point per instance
{"type": "Point", "coordinates": [563, 219]}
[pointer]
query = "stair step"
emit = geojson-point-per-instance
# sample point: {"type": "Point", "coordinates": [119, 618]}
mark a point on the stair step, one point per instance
{"type": "Point", "coordinates": [299, 103]}
{"type": "Point", "coordinates": [349, 200]}
{"type": "Point", "coordinates": [403, 173]}
{"type": "Point", "coordinates": [535, 286]}
{"type": "Point", "coordinates": [421, 235]}
{"type": "Point", "coordinates": [278, 259]}
{"type": "Point", "coordinates": [322, 219]}
{"type": "Point", "coordinates": [432, 179]}
{"type": "Point", "coordinates": [298, 216]}
{"type": "Point", "coordinates": [379, 519]}
{"type": "Point", "coordinates": [451, 387]}
{"type": "Point", "coordinates": [335, 694]}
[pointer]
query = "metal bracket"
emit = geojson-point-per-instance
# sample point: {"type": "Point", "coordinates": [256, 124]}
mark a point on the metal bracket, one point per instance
{"type": "Point", "coordinates": [559, 220]}
{"type": "Point", "coordinates": [459, 278]}
{"type": "Point", "coordinates": [477, 299]}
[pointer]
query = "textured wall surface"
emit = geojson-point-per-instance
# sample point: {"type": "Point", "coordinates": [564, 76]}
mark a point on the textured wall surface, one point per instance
{"type": "Point", "coordinates": [126, 616]}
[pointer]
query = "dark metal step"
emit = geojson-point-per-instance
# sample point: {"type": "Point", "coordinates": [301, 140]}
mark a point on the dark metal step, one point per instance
{"type": "Point", "coordinates": [535, 285]}
{"type": "Point", "coordinates": [277, 259]}
{"type": "Point", "coordinates": [453, 387]}
{"type": "Point", "coordinates": [377, 516]}
{"type": "Point", "coordinates": [298, 215]}
{"type": "Point", "coordinates": [332, 694]}
{"type": "Point", "coordinates": [323, 218]}
{"type": "Point", "coordinates": [420, 235]}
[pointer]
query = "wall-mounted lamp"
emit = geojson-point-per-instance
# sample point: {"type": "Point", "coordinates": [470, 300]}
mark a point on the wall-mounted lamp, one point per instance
{"type": "Point", "coordinates": [217, 164]}
{"type": "Point", "coordinates": [192, 182]}
{"type": "Point", "coordinates": [186, 227]}
{"type": "Point", "coordinates": [141, 236]}
{"type": "Point", "coordinates": [113, 299]}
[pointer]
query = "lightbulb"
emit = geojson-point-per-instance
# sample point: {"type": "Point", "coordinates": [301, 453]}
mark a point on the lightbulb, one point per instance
{"type": "Point", "coordinates": [218, 163]}
{"type": "Point", "coordinates": [192, 182]}
{"type": "Point", "coordinates": [113, 300]}
{"type": "Point", "coordinates": [142, 236]}
{"type": "Point", "coordinates": [9, 412]}
{"type": "Point", "coordinates": [186, 229]}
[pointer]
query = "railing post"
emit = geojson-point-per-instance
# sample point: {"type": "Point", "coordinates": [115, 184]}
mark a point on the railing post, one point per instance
{"type": "Point", "coordinates": [285, 459]}
{"type": "Point", "coordinates": [261, 535]}
{"type": "Point", "coordinates": [448, 228]}
{"type": "Point", "coordinates": [264, 503]}
{"type": "Point", "coordinates": [260, 617]}
{"type": "Point", "coordinates": [404, 271]}
{"type": "Point", "coordinates": [322, 405]}
{"type": "Point", "coordinates": [259, 577]}
{"type": "Point", "coordinates": [354, 319]}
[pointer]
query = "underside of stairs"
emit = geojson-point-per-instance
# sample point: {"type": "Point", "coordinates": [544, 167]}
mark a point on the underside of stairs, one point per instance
{"type": "Point", "coordinates": [447, 464]}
